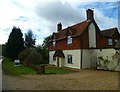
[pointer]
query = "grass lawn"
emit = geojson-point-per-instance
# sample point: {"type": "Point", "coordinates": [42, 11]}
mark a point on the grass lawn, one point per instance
{"type": "Point", "coordinates": [54, 70]}
{"type": "Point", "coordinates": [8, 67]}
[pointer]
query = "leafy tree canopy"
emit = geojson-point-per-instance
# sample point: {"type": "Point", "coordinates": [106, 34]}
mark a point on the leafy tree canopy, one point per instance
{"type": "Point", "coordinates": [29, 39]}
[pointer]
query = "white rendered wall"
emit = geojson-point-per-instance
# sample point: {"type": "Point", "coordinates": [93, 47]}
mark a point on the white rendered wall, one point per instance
{"type": "Point", "coordinates": [92, 35]}
{"type": "Point", "coordinates": [76, 57]}
{"type": "Point", "coordinates": [51, 61]}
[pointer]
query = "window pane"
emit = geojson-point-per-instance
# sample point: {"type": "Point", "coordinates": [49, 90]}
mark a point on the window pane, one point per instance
{"type": "Point", "coordinates": [54, 43]}
{"type": "Point", "coordinates": [69, 40]}
{"type": "Point", "coordinates": [110, 41]}
{"type": "Point", "coordinates": [70, 59]}
{"type": "Point", "coordinates": [54, 58]}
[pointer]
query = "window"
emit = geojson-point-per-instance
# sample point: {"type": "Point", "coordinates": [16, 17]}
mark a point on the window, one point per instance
{"type": "Point", "coordinates": [69, 40]}
{"type": "Point", "coordinates": [54, 43]}
{"type": "Point", "coordinates": [110, 41]}
{"type": "Point", "coordinates": [54, 58]}
{"type": "Point", "coordinates": [70, 59]}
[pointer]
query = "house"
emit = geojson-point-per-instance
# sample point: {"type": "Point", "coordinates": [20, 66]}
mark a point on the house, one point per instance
{"type": "Point", "coordinates": [0, 50]}
{"type": "Point", "coordinates": [79, 46]}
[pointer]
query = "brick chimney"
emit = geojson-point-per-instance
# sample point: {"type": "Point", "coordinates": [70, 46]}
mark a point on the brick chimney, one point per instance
{"type": "Point", "coordinates": [90, 14]}
{"type": "Point", "coordinates": [59, 26]}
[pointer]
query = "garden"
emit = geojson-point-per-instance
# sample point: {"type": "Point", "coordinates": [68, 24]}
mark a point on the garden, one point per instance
{"type": "Point", "coordinates": [9, 68]}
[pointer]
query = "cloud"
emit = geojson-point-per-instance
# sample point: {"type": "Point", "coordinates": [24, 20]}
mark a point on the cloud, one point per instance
{"type": "Point", "coordinates": [21, 18]}
{"type": "Point", "coordinates": [55, 12]}
{"type": "Point", "coordinates": [42, 17]}
{"type": "Point", "coordinates": [103, 21]}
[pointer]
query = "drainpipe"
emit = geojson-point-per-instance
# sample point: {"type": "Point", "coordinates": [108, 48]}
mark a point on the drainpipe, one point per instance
{"type": "Point", "coordinates": [81, 46]}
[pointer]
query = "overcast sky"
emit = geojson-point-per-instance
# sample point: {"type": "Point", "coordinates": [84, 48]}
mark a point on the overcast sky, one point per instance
{"type": "Point", "coordinates": [42, 16]}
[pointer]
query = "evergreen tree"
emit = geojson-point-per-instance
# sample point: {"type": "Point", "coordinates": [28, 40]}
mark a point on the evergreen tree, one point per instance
{"type": "Point", "coordinates": [29, 39]}
{"type": "Point", "coordinates": [15, 43]}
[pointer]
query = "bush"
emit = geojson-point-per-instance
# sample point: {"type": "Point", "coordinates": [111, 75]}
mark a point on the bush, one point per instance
{"type": "Point", "coordinates": [30, 55]}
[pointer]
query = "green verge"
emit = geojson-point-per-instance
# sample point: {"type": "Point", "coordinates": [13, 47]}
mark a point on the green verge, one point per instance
{"type": "Point", "coordinates": [9, 68]}
{"type": "Point", "coordinates": [57, 71]}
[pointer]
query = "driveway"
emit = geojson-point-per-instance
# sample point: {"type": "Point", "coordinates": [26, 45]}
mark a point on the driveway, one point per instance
{"type": "Point", "coordinates": [82, 80]}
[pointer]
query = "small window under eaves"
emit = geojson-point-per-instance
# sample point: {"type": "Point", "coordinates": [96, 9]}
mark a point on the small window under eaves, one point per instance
{"type": "Point", "coordinates": [69, 40]}
{"type": "Point", "coordinates": [54, 43]}
{"type": "Point", "coordinates": [110, 41]}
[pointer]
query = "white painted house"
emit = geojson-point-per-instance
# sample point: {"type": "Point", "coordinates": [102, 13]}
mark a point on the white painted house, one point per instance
{"type": "Point", "coordinates": [79, 46]}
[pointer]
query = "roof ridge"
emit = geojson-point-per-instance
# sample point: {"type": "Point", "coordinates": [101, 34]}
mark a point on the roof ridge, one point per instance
{"type": "Point", "coordinates": [109, 28]}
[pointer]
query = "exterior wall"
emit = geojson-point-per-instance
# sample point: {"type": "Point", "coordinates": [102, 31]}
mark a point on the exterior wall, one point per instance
{"type": "Point", "coordinates": [62, 44]}
{"type": "Point", "coordinates": [51, 61]}
{"type": "Point", "coordinates": [106, 52]}
{"type": "Point", "coordinates": [84, 42]}
{"type": "Point", "coordinates": [86, 59]}
{"type": "Point", "coordinates": [113, 61]}
{"type": "Point", "coordinates": [0, 50]}
{"type": "Point", "coordinates": [89, 58]}
{"type": "Point", "coordinates": [92, 35]}
{"type": "Point", "coordinates": [76, 58]}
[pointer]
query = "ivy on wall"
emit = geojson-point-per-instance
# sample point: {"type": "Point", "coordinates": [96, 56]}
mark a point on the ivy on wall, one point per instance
{"type": "Point", "coordinates": [107, 64]}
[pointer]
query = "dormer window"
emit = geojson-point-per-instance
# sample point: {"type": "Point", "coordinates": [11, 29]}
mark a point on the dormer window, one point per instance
{"type": "Point", "coordinates": [69, 40]}
{"type": "Point", "coordinates": [110, 42]}
{"type": "Point", "coordinates": [54, 43]}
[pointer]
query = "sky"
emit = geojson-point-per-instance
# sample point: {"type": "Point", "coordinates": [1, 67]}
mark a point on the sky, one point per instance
{"type": "Point", "coordinates": [42, 16]}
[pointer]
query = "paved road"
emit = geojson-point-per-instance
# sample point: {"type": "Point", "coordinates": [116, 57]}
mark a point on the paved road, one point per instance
{"type": "Point", "coordinates": [0, 74]}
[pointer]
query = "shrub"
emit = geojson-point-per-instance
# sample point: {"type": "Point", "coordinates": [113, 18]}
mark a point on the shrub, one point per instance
{"type": "Point", "coordinates": [30, 55]}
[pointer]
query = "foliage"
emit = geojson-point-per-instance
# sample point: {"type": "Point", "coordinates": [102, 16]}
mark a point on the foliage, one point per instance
{"type": "Point", "coordinates": [29, 39]}
{"type": "Point", "coordinates": [106, 62]}
{"type": "Point", "coordinates": [3, 49]}
{"type": "Point", "coordinates": [15, 43]}
{"type": "Point", "coordinates": [45, 41]}
{"type": "Point", "coordinates": [44, 52]}
{"type": "Point", "coordinates": [30, 55]}
{"type": "Point", "coordinates": [8, 67]}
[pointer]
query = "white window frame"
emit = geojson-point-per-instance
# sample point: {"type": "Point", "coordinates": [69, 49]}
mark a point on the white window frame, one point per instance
{"type": "Point", "coordinates": [69, 40]}
{"type": "Point", "coordinates": [54, 43]}
{"type": "Point", "coordinates": [70, 59]}
{"type": "Point", "coordinates": [110, 41]}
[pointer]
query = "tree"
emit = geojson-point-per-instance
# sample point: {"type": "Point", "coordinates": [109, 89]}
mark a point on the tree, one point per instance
{"type": "Point", "coordinates": [29, 39]}
{"type": "Point", "coordinates": [15, 43]}
{"type": "Point", "coordinates": [43, 49]}
{"type": "Point", "coordinates": [45, 41]}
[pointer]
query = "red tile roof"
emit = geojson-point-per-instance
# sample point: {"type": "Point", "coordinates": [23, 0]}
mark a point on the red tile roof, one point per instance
{"type": "Point", "coordinates": [58, 53]}
{"type": "Point", "coordinates": [108, 32]}
{"type": "Point", "coordinates": [78, 29]}
{"type": "Point", "coordinates": [75, 30]}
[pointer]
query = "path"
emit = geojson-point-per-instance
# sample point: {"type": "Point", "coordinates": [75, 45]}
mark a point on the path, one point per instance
{"type": "Point", "coordinates": [82, 80]}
